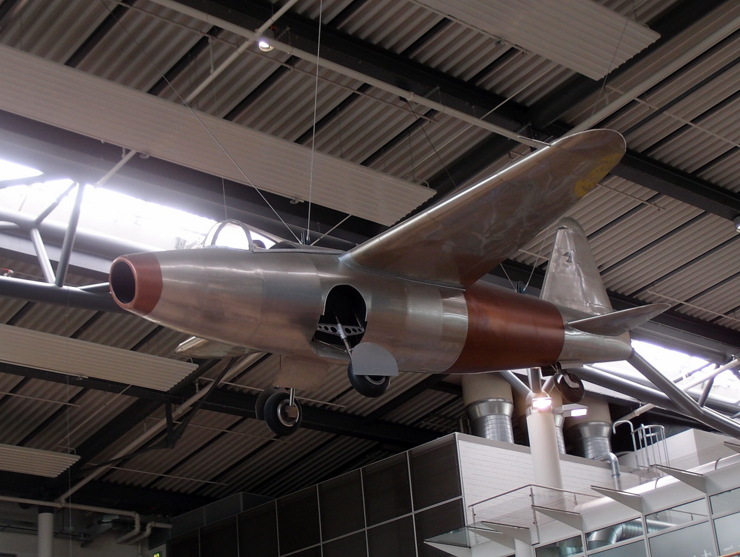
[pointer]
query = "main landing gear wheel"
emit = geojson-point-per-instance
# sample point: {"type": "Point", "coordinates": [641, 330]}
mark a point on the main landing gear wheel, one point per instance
{"type": "Point", "coordinates": [259, 405]}
{"type": "Point", "coordinates": [368, 385]}
{"type": "Point", "coordinates": [282, 417]}
{"type": "Point", "coordinates": [570, 386]}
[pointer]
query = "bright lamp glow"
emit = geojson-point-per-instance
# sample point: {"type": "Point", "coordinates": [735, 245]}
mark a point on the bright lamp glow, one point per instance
{"type": "Point", "coordinates": [541, 402]}
{"type": "Point", "coordinates": [264, 42]}
{"type": "Point", "coordinates": [264, 46]}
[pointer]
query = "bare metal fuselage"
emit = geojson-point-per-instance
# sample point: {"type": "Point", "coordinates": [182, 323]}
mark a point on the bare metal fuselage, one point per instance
{"type": "Point", "coordinates": [274, 300]}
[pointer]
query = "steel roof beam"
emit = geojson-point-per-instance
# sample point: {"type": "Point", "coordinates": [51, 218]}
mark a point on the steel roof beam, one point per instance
{"type": "Point", "coordinates": [228, 402]}
{"type": "Point", "coordinates": [104, 494]}
{"type": "Point", "coordinates": [685, 187]}
{"type": "Point", "coordinates": [95, 38]}
{"type": "Point", "coordinates": [365, 62]}
{"type": "Point", "coordinates": [329, 421]}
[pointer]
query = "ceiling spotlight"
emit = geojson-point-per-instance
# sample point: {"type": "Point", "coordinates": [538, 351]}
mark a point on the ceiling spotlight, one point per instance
{"type": "Point", "coordinates": [574, 410]}
{"type": "Point", "coordinates": [264, 42]}
{"type": "Point", "coordinates": [736, 222]}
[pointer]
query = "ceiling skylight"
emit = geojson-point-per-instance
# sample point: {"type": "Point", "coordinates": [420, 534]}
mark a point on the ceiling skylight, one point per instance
{"type": "Point", "coordinates": [679, 367]}
{"type": "Point", "coordinates": [13, 171]}
{"type": "Point", "coordinates": [111, 213]}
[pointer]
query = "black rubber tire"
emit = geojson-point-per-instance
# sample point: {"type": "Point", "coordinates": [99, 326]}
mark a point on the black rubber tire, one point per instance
{"type": "Point", "coordinates": [570, 386]}
{"type": "Point", "coordinates": [275, 416]}
{"type": "Point", "coordinates": [371, 386]}
{"type": "Point", "coordinates": [259, 404]}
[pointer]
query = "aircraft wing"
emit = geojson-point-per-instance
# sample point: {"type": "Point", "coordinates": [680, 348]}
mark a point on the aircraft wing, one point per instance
{"type": "Point", "coordinates": [463, 237]}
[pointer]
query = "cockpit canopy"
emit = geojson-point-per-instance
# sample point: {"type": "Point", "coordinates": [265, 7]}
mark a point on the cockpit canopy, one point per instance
{"type": "Point", "coordinates": [236, 234]}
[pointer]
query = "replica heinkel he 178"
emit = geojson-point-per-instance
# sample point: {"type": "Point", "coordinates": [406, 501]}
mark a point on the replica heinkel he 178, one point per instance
{"type": "Point", "coordinates": [408, 299]}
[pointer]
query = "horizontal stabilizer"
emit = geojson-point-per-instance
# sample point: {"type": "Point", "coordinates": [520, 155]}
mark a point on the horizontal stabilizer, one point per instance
{"type": "Point", "coordinates": [196, 347]}
{"type": "Point", "coordinates": [619, 322]}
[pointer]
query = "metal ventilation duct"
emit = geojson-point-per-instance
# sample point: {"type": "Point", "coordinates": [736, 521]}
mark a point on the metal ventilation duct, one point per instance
{"type": "Point", "coordinates": [590, 439]}
{"type": "Point", "coordinates": [34, 461]}
{"type": "Point", "coordinates": [489, 406]}
{"type": "Point", "coordinates": [89, 105]}
{"type": "Point", "coordinates": [69, 356]}
{"type": "Point", "coordinates": [559, 419]}
{"type": "Point", "coordinates": [579, 34]}
{"type": "Point", "coordinates": [491, 418]}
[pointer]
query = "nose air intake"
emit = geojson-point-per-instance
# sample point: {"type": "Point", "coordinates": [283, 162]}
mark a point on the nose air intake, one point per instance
{"type": "Point", "coordinates": [122, 282]}
{"type": "Point", "coordinates": [136, 282]}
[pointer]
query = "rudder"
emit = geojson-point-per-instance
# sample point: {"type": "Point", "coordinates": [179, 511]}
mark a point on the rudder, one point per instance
{"type": "Point", "coordinates": [572, 280]}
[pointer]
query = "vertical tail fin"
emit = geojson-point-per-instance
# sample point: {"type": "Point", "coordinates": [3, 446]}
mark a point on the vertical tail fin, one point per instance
{"type": "Point", "coordinates": [572, 279]}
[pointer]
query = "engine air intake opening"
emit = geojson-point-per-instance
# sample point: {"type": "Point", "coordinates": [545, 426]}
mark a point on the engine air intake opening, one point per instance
{"type": "Point", "coordinates": [122, 281]}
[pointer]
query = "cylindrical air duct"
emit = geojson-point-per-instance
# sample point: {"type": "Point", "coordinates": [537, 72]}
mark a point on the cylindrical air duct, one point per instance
{"type": "Point", "coordinates": [590, 435]}
{"type": "Point", "coordinates": [559, 420]}
{"type": "Point", "coordinates": [590, 439]}
{"type": "Point", "coordinates": [489, 406]}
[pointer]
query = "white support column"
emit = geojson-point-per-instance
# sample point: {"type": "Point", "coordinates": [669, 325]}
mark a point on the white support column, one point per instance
{"type": "Point", "coordinates": [543, 445]}
{"type": "Point", "coordinates": [522, 549]}
{"type": "Point", "coordinates": [45, 532]}
{"type": "Point", "coordinates": [543, 437]}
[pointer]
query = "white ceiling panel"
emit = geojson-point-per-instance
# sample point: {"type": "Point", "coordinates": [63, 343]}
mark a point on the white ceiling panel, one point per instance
{"type": "Point", "coordinates": [73, 100]}
{"type": "Point", "coordinates": [580, 34]}
{"type": "Point", "coordinates": [35, 462]}
{"type": "Point", "coordinates": [79, 358]}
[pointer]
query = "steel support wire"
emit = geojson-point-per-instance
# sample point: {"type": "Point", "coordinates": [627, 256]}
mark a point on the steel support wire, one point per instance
{"type": "Point", "coordinates": [682, 400]}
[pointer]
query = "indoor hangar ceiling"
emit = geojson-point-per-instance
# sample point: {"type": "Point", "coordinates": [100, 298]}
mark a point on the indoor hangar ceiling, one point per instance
{"type": "Point", "coordinates": [366, 111]}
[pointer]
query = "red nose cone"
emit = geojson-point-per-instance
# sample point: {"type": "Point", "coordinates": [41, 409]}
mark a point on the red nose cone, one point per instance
{"type": "Point", "coordinates": [136, 282]}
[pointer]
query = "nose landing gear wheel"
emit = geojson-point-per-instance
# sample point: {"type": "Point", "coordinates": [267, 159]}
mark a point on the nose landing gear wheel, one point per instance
{"type": "Point", "coordinates": [280, 416]}
{"type": "Point", "coordinates": [371, 386]}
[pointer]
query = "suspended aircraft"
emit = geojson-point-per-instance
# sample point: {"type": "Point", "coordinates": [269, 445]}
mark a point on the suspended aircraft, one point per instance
{"type": "Point", "coordinates": [409, 299]}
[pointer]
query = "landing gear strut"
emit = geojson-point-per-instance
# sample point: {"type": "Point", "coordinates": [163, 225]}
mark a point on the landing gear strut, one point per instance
{"type": "Point", "coordinates": [367, 385]}
{"type": "Point", "coordinates": [280, 410]}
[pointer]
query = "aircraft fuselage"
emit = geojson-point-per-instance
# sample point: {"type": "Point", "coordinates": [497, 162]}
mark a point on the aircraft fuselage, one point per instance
{"type": "Point", "coordinates": [280, 301]}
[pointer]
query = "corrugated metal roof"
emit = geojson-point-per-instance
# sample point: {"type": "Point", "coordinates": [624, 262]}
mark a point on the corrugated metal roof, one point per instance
{"type": "Point", "coordinates": [393, 26]}
{"type": "Point", "coordinates": [92, 410]}
{"type": "Point", "coordinates": [289, 111]}
{"type": "Point", "coordinates": [138, 46]}
{"type": "Point", "coordinates": [53, 30]}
